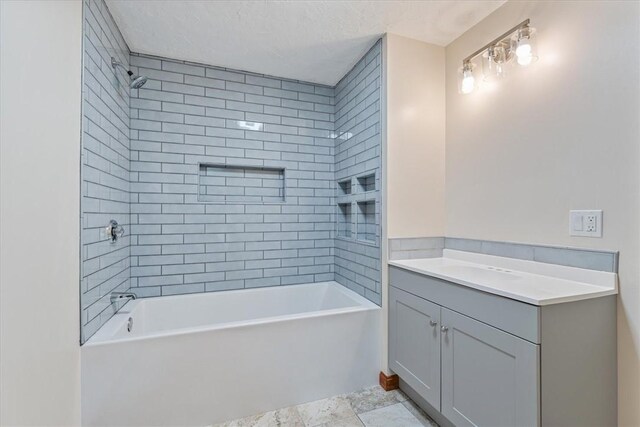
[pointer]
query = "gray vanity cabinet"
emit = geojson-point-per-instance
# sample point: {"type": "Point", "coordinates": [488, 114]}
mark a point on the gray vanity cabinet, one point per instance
{"type": "Point", "coordinates": [472, 358]}
{"type": "Point", "coordinates": [489, 377]}
{"type": "Point", "coordinates": [415, 352]}
{"type": "Point", "coordinates": [473, 373]}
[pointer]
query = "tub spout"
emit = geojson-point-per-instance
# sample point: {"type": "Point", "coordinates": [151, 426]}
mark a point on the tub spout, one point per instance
{"type": "Point", "coordinates": [117, 296]}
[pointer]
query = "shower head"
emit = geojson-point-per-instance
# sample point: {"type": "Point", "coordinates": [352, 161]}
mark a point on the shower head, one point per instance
{"type": "Point", "coordinates": [136, 81]}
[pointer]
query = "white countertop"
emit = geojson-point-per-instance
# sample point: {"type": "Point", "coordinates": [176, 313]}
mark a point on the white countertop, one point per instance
{"type": "Point", "coordinates": [527, 281]}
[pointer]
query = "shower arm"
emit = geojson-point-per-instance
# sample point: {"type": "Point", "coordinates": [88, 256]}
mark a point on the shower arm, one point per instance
{"type": "Point", "coordinates": [115, 63]}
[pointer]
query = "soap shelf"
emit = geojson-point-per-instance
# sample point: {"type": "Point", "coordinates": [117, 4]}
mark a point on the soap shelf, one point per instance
{"type": "Point", "coordinates": [356, 198]}
{"type": "Point", "coordinates": [366, 183]}
{"type": "Point", "coordinates": [220, 183]}
{"type": "Point", "coordinates": [366, 221]}
{"type": "Point", "coordinates": [344, 187]}
{"type": "Point", "coordinates": [344, 220]}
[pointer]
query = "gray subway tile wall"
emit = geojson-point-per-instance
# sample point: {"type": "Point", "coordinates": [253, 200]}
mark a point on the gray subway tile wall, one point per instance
{"type": "Point", "coordinates": [232, 180]}
{"type": "Point", "coordinates": [105, 166]}
{"type": "Point", "coordinates": [358, 155]}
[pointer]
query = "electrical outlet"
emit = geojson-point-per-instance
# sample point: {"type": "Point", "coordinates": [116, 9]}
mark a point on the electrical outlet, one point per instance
{"type": "Point", "coordinates": [585, 223]}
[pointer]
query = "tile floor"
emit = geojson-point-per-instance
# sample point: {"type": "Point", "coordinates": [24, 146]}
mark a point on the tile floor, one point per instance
{"type": "Point", "coordinates": [372, 407]}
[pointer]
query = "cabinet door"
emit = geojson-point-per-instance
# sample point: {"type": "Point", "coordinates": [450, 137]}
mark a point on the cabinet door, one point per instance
{"type": "Point", "coordinates": [489, 377]}
{"type": "Point", "coordinates": [414, 343]}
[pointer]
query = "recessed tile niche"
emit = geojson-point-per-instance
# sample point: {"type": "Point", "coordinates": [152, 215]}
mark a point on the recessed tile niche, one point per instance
{"type": "Point", "coordinates": [366, 221]}
{"type": "Point", "coordinates": [344, 220]}
{"type": "Point", "coordinates": [240, 184]}
{"type": "Point", "coordinates": [357, 200]}
{"type": "Point", "coordinates": [344, 187]}
{"type": "Point", "coordinates": [367, 183]}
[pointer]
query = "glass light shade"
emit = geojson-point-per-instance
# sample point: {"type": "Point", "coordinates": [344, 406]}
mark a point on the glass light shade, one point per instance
{"type": "Point", "coordinates": [525, 46]}
{"type": "Point", "coordinates": [496, 61]}
{"type": "Point", "coordinates": [466, 78]}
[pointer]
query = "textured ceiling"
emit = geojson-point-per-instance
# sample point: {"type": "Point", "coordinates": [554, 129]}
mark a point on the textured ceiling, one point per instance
{"type": "Point", "coordinates": [317, 41]}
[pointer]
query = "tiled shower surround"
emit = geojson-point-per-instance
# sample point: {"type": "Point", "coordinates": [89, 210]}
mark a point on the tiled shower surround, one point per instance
{"type": "Point", "coordinates": [233, 181]}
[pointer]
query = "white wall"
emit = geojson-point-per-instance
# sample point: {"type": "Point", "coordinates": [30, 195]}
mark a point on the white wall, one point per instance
{"type": "Point", "coordinates": [415, 138]}
{"type": "Point", "coordinates": [39, 241]}
{"type": "Point", "coordinates": [413, 146]}
{"type": "Point", "coordinates": [563, 134]}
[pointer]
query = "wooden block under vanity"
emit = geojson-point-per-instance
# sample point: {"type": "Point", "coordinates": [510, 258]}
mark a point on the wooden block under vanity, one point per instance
{"type": "Point", "coordinates": [388, 382]}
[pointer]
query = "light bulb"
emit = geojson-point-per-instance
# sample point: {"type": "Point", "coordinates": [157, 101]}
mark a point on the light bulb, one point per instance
{"type": "Point", "coordinates": [466, 78]}
{"type": "Point", "coordinates": [468, 82]}
{"type": "Point", "coordinates": [524, 48]}
{"type": "Point", "coordinates": [523, 52]}
{"type": "Point", "coordinates": [525, 60]}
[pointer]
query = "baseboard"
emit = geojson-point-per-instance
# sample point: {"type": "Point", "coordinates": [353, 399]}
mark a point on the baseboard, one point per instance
{"type": "Point", "coordinates": [390, 382]}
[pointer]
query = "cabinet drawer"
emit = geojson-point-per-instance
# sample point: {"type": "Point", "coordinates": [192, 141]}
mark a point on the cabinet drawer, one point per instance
{"type": "Point", "coordinates": [515, 317]}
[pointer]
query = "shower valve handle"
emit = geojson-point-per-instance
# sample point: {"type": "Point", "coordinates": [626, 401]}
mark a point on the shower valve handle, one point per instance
{"type": "Point", "coordinates": [114, 230]}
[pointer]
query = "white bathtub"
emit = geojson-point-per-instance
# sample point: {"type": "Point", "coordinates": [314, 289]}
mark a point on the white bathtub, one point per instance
{"type": "Point", "coordinates": [205, 358]}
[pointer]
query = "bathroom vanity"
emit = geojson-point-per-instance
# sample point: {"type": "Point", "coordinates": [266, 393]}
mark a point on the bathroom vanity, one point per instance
{"type": "Point", "coordinates": [480, 340]}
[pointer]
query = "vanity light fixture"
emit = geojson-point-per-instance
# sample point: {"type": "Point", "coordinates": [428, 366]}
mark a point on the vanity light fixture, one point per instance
{"type": "Point", "coordinates": [498, 55]}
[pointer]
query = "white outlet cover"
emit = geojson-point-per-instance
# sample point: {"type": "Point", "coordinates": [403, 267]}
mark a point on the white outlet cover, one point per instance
{"type": "Point", "coordinates": [583, 223]}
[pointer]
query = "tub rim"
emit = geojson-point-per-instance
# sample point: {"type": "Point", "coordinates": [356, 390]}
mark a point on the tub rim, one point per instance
{"type": "Point", "coordinates": [122, 315]}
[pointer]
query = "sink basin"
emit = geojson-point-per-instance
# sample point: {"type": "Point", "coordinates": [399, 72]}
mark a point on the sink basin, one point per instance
{"type": "Point", "coordinates": [479, 273]}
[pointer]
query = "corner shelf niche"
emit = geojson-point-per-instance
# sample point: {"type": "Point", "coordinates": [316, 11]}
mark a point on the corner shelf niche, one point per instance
{"type": "Point", "coordinates": [344, 220]}
{"type": "Point", "coordinates": [366, 221]}
{"type": "Point", "coordinates": [344, 187]}
{"type": "Point", "coordinates": [366, 183]}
